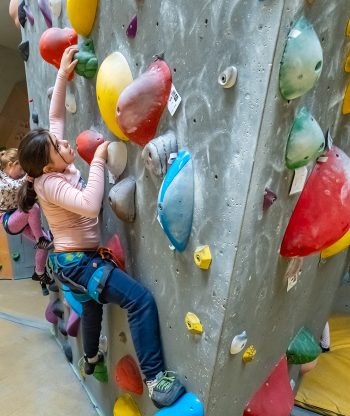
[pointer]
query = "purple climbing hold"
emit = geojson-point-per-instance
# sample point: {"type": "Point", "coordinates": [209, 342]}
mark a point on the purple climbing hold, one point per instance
{"type": "Point", "coordinates": [46, 11]}
{"type": "Point", "coordinates": [29, 13]}
{"type": "Point", "coordinates": [269, 198]}
{"type": "Point", "coordinates": [49, 315]}
{"type": "Point", "coordinates": [132, 28]}
{"type": "Point", "coordinates": [73, 324]}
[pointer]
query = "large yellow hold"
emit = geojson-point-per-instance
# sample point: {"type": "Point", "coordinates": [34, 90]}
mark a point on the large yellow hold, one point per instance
{"type": "Point", "coordinates": [337, 247]}
{"type": "Point", "coordinates": [113, 77]}
{"type": "Point", "coordinates": [81, 14]}
{"type": "Point", "coordinates": [126, 406]}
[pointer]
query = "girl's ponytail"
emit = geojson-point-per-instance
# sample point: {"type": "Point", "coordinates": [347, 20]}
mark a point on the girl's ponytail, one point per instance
{"type": "Point", "coordinates": [33, 155]}
{"type": "Point", "coordinates": [26, 196]}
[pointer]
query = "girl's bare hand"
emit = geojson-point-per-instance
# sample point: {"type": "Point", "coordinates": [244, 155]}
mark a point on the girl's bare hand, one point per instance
{"type": "Point", "coordinates": [67, 65]}
{"type": "Point", "coordinates": [101, 151]}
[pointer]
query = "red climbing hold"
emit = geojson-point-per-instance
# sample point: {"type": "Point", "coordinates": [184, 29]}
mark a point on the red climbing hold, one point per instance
{"type": "Point", "coordinates": [127, 375]}
{"type": "Point", "coordinates": [141, 104]}
{"type": "Point", "coordinates": [322, 214]}
{"type": "Point", "coordinates": [87, 143]}
{"type": "Point", "coordinates": [115, 246]}
{"type": "Point", "coordinates": [53, 42]}
{"type": "Point", "coordinates": [275, 396]}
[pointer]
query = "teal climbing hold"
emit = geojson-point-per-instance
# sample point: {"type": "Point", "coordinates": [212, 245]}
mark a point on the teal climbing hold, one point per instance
{"type": "Point", "coordinates": [16, 256]}
{"type": "Point", "coordinates": [176, 201]}
{"type": "Point", "coordinates": [187, 405]}
{"type": "Point", "coordinates": [302, 60]}
{"type": "Point", "coordinates": [306, 140]}
{"type": "Point", "coordinates": [303, 348]}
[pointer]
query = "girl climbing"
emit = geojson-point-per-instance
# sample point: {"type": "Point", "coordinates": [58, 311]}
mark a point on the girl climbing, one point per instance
{"type": "Point", "coordinates": [72, 209]}
{"type": "Point", "coordinates": [17, 221]}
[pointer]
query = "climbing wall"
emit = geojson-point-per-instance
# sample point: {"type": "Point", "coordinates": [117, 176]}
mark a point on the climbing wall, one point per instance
{"type": "Point", "coordinates": [237, 139]}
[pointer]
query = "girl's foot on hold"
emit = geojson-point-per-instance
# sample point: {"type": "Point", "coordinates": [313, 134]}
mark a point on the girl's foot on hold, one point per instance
{"type": "Point", "coordinates": [165, 389]}
{"type": "Point", "coordinates": [44, 244]}
{"type": "Point", "coordinates": [89, 367]}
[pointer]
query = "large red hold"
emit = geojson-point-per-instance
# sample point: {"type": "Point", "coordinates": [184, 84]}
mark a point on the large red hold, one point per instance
{"type": "Point", "coordinates": [275, 396]}
{"type": "Point", "coordinates": [54, 41]}
{"type": "Point", "coordinates": [141, 104]}
{"type": "Point", "coordinates": [115, 246]}
{"type": "Point", "coordinates": [127, 375]}
{"type": "Point", "coordinates": [87, 142]}
{"type": "Point", "coordinates": [322, 214]}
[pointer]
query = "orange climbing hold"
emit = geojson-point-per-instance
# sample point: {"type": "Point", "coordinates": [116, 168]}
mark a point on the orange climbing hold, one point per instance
{"type": "Point", "coordinates": [127, 375]}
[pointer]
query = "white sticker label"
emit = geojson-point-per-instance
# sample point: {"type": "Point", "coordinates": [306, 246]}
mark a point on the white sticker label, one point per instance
{"type": "Point", "coordinates": [294, 33]}
{"type": "Point", "coordinates": [299, 180]}
{"type": "Point", "coordinates": [292, 281]}
{"type": "Point", "coordinates": [293, 272]}
{"type": "Point", "coordinates": [111, 178]}
{"type": "Point", "coordinates": [174, 100]}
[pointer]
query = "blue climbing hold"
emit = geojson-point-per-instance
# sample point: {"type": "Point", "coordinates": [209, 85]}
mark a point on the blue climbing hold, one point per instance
{"type": "Point", "coordinates": [72, 302]}
{"type": "Point", "coordinates": [187, 405]}
{"type": "Point", "coordinates": [176, 200]}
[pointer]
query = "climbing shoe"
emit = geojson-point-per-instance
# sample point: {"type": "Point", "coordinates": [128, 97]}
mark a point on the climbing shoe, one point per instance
{"type": "Point", "coordinates": [165, 389]}
{"type": "Point", "coordinates": [89, 368]}
{"type": "Point", "coordinates": [43, 278]}
{"type": "Point", "coordinates": [53, 287]}
{"type": "Point", "coordinates": [44, 289]}
{"type": "Point", "coordinates": [44, 244]}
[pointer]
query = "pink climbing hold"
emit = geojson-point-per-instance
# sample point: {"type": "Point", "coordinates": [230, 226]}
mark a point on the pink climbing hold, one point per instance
{"type": "Point", "coordinates": [275, 396]}
{"type": "Point", "coordinates": [46, 11]}
{"type": "Point", "coordinates": [73, 324]}
{"type": "Point", "coordinates": [132, 28]}
{"type": "Point", "coordinates": [49, 315]}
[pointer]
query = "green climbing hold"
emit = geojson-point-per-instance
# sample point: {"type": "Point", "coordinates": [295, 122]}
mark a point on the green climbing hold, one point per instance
{"type": "Point", "coordinates": [303, 348]}
{"type": "Point", "coordinates": [16, 256]}
{"type": "Point", "coordinates": [306, 141]}
{"type": "Point", "coordinates": [87, 62]}
{"type": "Point", "coordinates": [302, 60]}
{"type": "Point", "coordinates": [101, 373]}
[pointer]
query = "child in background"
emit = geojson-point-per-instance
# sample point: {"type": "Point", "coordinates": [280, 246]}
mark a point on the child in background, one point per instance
{"type": "Point", "coordinates": [72, 209]}
{"type": "Point", "coordinates": [15, 221]}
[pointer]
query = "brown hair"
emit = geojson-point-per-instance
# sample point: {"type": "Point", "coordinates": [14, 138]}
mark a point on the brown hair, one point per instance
{"type": "Point", "coordinates": [33, 156]}
{"type": "Point", "coordinates": [7, 156]}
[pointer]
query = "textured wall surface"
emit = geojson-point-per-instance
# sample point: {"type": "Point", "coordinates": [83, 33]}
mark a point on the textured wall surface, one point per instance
{"type": "Point", "coordinates": [237, 139]}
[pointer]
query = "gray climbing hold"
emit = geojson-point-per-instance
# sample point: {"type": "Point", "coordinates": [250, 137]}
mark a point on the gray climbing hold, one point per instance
{"type": "Point", "coordinates": [58, 309]}
{"type": "Point", "coordinates": [23, 48]}
{"type": "Point", "coordinates": [157, 153]}
{"type": "Point", "coordinates": [228, 78]}
{"type": "Point", "coordinates": [50, 92]}
{"type": "Point", "coordinates": [122, 199]}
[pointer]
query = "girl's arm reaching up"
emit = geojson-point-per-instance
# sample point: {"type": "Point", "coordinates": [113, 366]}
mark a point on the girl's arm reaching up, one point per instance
{"type": "Point", "coordinates": [57, 106]}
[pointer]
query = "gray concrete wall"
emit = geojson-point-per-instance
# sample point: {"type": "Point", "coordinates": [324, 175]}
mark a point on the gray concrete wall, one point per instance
{"type": "Point", "coordinates": [11, 72]}
{"type": "Point", "coordinates": [237, 140]}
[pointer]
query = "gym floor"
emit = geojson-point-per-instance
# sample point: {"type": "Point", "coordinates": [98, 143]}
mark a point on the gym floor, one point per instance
{"type": "Point", "coordinates": [36, 379]}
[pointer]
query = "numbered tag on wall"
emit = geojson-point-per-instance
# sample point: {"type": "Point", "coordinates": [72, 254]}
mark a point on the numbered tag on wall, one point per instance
{"type": "Point", "coordinates": [300, 176]}
{"type": "Point", "coordinates": [174, 100]}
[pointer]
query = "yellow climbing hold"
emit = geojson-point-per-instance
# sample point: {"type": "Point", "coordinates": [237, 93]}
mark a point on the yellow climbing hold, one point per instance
{"type": "Point", "coordinates": [126, 406]}
{"type": "Point", "coordinates": [347, 63]}
{"type": "Point", "coordinates": [81, 14]}
{"type": "Point", "coordinates": [346, 100]}
{"type": "Point", "coordinates": [249, 354]}
{"type": "Point", "coordinates": [193, 323]}
{"type": "Point", "coordinates": [113, 77]}
{"type": "Point", "coordinates": [347, 32]}
{"type": "Point", "coordinates": [202, 257]}
{"type": "Point", "coordinates": [337, 247]}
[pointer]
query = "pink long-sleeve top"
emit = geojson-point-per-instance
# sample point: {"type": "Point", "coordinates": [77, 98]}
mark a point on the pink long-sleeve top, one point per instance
{"type": "Point", "coordinates": [70, 207]}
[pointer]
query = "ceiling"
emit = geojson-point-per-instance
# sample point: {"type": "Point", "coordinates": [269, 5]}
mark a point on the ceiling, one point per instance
{"type": "Point", "coordinates": [10, 36]}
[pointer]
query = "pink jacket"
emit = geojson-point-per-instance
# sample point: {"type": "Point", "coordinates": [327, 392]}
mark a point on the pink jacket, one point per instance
{"type": "Point", "coordinates": [70, 207]}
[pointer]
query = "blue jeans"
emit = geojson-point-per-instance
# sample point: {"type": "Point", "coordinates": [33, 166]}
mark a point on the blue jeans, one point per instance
{"type": "Point", "coordinates": [119, 289]}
